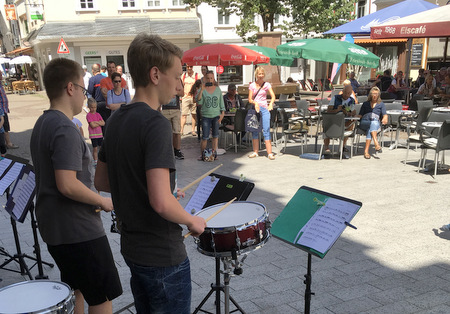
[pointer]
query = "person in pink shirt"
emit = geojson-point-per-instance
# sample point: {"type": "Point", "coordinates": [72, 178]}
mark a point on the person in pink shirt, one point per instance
{"type": "Point", "coordinates": [95, 123]}
{"type": "Point", "coordinates": [257, 96]}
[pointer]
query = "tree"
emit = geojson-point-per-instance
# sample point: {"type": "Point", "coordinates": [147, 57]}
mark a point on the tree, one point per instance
{"type": "Point", "coordinates": [307, 15]}
{"type": "Point", "coordinates": [318, 15]}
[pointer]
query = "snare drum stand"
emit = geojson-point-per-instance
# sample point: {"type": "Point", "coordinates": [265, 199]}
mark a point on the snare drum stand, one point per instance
{"type": "Point", "coordinates": [225, 288]}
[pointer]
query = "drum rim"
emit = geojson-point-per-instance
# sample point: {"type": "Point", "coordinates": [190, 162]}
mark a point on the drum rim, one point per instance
{"type": "Point", "coordinates": [239, 226]}
{"type": "Point", "coordinates": [49, 309]}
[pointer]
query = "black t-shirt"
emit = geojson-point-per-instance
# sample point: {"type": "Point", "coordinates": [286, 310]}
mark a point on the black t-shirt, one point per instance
{"type": "Point", "coordinates": [137, 139]}
{"type": "Point", "coordinates": [56, 143]}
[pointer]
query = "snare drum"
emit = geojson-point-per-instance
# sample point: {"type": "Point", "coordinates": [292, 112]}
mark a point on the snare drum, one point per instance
{"type": "Point", "coordinates": [37, 296]}
{"type": "Point", "coordinates": [242, 226]}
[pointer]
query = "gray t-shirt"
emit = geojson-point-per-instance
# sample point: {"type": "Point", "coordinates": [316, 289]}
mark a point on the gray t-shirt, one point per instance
{"type": "Point", "coordinates": [137, 139]}
{"type": "Point", "coordinates": [57, 144]}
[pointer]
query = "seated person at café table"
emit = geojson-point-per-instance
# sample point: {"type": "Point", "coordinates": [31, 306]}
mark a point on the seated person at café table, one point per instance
{"type": "Point", "coordinates": [384, 81]}
{"type": "Point", "coordinates": [428, 88]}
{"type": "Point", "coordinates": [445, 92]}
{"type": "Point", "coordinates": [353, 95]}
{"type": "Point", "coordinates": [232, 99]}
{"type": "Point", "coordinates": [354, 82]}
{"type": "Point", "coordinates": [397, 83]}
{"type": "Point", "coordinates": [370, 114]}
{"type": "Point", "coordinates": [343, 103]}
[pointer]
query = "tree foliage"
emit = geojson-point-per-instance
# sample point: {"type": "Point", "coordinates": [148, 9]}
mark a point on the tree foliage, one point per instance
{"type": "Point", "coordinates": [307, 15]}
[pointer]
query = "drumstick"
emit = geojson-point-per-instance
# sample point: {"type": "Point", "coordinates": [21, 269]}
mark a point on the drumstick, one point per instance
{"type": "Point", "coordinates": [189, 185]}
{"type": "Point", "coordinates": [200, 179]}
{"type": "Point", "coordinates": [213, 215]}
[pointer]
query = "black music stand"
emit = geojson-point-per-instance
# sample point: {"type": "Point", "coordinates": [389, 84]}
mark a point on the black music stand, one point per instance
{"type": "Point", "coordinates": [225, 189]}
{"type": "Point", "coordinates": [312, 221]}
{"type": "Point", "coordinates": [19, 203]}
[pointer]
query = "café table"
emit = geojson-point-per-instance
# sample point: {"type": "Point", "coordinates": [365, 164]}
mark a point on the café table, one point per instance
{"type": "Point", "coordinates": [397, 114]}
{"type": "Point", "coordinates": [441, 109]}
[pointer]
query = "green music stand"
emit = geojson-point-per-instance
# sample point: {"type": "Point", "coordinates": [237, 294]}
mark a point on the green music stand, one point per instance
{"type": "Point", "coordinates": [312, 221]}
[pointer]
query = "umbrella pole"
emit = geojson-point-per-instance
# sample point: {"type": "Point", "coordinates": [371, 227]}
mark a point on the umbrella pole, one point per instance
{"type": "Point", "coordinates": [320, 106]}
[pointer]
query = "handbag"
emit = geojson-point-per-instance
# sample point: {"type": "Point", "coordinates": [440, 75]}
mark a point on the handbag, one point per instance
{"type": "Point", "coordinates": [364, 123]}
{"type": "Point", "coordinates": [253, 121]}
{"type": "Point", "coordinates": [253, 118]}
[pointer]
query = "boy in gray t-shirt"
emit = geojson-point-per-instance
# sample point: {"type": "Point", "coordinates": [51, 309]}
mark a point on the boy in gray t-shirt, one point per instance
{"type": "Point", "coordinates": [65, 199]}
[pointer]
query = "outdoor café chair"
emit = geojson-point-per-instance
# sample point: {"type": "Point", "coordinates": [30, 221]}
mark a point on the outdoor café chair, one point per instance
{"type": "Point", "coordinates": [334, 128]}
{"type": "Point", "coordinates": [439, 144]}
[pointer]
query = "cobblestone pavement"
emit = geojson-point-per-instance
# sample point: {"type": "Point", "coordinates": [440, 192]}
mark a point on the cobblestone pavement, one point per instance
{"type": "Point", "coordinates": [397, 261]}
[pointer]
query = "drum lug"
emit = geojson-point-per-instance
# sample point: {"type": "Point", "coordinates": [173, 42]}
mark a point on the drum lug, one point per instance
{"type": "Point", "coordinates": [249, 242]}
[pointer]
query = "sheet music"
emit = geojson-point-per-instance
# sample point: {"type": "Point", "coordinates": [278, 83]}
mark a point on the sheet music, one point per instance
{"type": "Point", "coordinates": [201, 195]}
{"type": "Point", "coordinates": [10, 176]}
{"type": "Point", "coordinates": [22, 193]}
{"type": "Point", "coordinates": [4, 164]}
{"type": "Point", "coordinates": [327, 224]}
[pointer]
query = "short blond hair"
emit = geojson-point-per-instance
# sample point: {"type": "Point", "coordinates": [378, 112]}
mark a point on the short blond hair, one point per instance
{"type": "Point", "coordinates": [259, 70]}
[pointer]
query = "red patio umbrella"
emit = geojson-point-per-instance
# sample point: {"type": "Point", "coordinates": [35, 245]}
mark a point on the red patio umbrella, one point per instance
{"type": "Point", "coordinates": [220, 54]}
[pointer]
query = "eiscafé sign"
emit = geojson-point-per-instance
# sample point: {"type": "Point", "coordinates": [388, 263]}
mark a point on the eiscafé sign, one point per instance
{"type": "Point", "coordinates": [408, 30]}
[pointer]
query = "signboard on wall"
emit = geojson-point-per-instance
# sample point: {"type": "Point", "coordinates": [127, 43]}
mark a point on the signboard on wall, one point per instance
{"type": "Point", "coordinates": [10, 11]}
{"type": "Point", "coordinates": [417, 52]}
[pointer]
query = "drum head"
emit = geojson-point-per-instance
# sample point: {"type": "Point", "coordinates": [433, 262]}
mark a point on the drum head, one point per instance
{"type": "Point", "coordinates": [235, 214]}
{"type": "Point", "coordinates": [32, 296]}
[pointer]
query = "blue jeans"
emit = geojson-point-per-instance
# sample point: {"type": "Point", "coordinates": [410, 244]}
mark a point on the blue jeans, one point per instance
{"type": "Point", "coordinates": [161, 290]}
{"type": "Point", "coordinates": [207, 125]}
{"type": "Point", "coordinates": [265, 120]}
{"type": "Point", "coordinates": [374, 126]}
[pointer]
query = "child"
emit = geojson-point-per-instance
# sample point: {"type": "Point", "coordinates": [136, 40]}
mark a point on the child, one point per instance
{"type": "Point", "coordinates": [95, 122]}
{"type": "Point", "coordinates": [213, 110]}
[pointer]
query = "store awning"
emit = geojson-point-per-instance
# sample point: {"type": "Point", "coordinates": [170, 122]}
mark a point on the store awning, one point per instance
{"type": "Point", "coordinates": [379, 41]}
{"type": "Point", "coordinates": [15, 52]}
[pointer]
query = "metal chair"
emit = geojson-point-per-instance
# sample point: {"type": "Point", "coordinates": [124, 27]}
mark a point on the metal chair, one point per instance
{"type": "Point", "coordinates": [413, 105]}
{"type": "Point", "coordinates": [422, 116]}
{"type": "Point", "coordinates": [334, 128]}
{"type": "Point", "coordinates": [283, 97]}
{"type": "Point", "coordinates": [290, 128]}
{"type": "Point", "coordinates": [438, 144]}
{"type": "Point", "coordinates": [362, 98]}
{"type": "Point", "coordinates": [424, 103]}
{"type": "Point", "coordinates": [238, 127]}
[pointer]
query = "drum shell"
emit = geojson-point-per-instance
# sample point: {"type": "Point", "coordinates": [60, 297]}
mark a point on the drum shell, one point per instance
{"type": "Point", "coordinates": [225, 239]}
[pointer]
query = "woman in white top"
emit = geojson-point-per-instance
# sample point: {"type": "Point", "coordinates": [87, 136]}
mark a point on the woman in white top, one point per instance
{"type": "Point", "coordinates": [118, 95]}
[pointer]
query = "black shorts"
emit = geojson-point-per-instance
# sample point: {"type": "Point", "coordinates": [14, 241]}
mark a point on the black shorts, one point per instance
{"type": "Point", "coordinates": [6, 123]}
{"type": "Point", "coordinates": [97, 141]}
{"type": "Point", "coordinates": [89, 267]}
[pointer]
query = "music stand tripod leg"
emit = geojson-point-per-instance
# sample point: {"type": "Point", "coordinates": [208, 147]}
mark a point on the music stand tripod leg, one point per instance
{"type": "Point", "coordinates": [307, 282]}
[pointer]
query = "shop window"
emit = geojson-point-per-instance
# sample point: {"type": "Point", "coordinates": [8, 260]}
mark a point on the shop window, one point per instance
{"type": "Point", "coordinates": [231, 74]}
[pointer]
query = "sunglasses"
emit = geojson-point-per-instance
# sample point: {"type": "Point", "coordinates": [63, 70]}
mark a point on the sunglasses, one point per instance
{"type": "Point", "coordinates": [117, 81]}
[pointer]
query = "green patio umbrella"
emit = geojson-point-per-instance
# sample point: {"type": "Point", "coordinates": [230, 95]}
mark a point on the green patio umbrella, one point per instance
{"type": "Point", "coordinates": [275, 58]}
{"type": "Point", "coordinates": [329, 50]}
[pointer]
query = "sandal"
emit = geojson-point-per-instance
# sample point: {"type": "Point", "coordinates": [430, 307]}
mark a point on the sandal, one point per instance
{"type": "Point", "coordinates": [271, 157]}
{"type": "Point", "coordinates": [367, 156]}
{"type": "Point", "coordinates": [253, 155]}
{"type": "Point", "coordinates": [378, 149]}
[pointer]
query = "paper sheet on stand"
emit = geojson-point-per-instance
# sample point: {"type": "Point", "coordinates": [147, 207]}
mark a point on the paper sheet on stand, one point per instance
{"type": "Point", "coordinates": [201, 195]}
